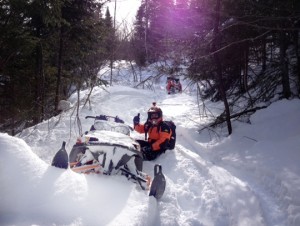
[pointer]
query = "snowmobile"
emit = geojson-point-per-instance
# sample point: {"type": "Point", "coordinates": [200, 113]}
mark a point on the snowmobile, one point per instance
{"type": "Point", "coordinates": [108, 149]}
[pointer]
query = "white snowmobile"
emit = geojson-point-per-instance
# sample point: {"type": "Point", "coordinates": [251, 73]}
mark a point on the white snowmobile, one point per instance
{"type": "Point", "coordinates": [108, 149]}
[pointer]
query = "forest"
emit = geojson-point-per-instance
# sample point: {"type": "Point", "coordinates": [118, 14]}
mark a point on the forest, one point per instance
{"type": "Point", "coordinates": [233, 51]}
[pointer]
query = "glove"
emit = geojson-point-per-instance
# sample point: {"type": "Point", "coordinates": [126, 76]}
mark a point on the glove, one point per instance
{"type": "Point", "coordinates": [146, 149]}
{"type": "Point", "coordinates": [148, 154]}
{"type": "Point", "coordinates": [147, 125]}
{"type": "Point", "coordinates": [136, 119]}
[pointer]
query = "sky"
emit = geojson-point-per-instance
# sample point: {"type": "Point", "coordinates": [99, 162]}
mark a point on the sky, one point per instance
{"type": "Point", "coordinates": [251, 177]}
{"type": "Point", "coordinates": [125, 10]}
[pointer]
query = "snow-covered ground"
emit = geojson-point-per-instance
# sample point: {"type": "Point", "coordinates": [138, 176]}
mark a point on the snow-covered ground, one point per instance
{"type": "Point", "coordinates": [250, 178]}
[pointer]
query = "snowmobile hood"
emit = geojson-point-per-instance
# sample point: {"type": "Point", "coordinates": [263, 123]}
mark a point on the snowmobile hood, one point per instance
{"type": "Point", "coordinates": [112, 138]}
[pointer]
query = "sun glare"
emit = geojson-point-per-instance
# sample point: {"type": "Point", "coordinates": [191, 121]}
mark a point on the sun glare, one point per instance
{"type": "Point", "coordinates": [133, 4]}
{"type": "Point", "coordinates": [125, 9]}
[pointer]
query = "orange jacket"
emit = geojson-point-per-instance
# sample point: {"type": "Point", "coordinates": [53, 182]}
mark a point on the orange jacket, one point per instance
{"type": "Point", "coordinates": [169, 84]}
{"type": "Point", "coordinates": [157, 138]}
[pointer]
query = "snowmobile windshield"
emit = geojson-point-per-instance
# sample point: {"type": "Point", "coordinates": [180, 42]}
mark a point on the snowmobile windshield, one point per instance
{"type": "Point", "coordinates": [112, 126]}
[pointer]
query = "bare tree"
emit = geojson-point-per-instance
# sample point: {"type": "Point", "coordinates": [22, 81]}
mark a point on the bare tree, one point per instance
{"type": "Point", "coordinates": [215, 45]}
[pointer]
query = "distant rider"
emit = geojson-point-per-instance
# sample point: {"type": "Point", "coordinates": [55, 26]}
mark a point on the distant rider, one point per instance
{"type": "Point", "coordinates": [158, 133]}
{"type": "Point", "coordinates": [173, 85]}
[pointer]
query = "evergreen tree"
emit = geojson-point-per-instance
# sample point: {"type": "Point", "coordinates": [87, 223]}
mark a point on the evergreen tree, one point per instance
{"type": "Point", "coordinates": [110, 40]}
{"type": "Point", "coordinates": [139, 40]}
{"type": "Point", "coordinates": [47, 47]}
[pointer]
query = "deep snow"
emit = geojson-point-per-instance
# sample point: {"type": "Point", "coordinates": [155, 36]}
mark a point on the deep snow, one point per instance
{"type": "Point", "coordinates": [250, 178]}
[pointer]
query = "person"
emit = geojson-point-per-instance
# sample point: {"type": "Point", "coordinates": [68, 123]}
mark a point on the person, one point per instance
{"type": "Point", "coordinates": [170, 84]}
{"type": "Point", "coordinates": [178, 85]}
{"type": "Point", "coordinates": [158, 133]}
{"type": "Point", "coordinates": [173, 85]}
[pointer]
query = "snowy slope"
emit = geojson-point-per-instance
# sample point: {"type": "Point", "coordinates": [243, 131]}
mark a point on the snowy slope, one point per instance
{"type": "Point", "coordinates": [249, 178]}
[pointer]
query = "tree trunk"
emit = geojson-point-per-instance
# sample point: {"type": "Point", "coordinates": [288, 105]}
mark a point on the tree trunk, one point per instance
{"type": "Point", "coordinates": [215, 47]}
{"type": "Point", "coordinates": [39, 86]}
{"type": "Point", "coordinates": [13, 109]}
{"type": "Point", "coordinates": [59, 67]}
{"type": "Point", "coordinates": [42, 83]}
{"type": "Point", "coordinates": [264, 54]}
{"type": "Point", "coordinates": [296, 43]}
{"type": "Point", "coordinates": [284, 66]}
{"type": "Point", "coordinates": [245, 66]}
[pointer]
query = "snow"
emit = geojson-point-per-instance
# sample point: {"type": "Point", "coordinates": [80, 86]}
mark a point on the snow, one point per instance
{"type": "Point", "coordinates": [251, 177]}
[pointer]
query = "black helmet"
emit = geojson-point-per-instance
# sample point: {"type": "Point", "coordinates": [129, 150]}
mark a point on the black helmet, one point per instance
{"type": "Point", "coordinates": [155, 114]}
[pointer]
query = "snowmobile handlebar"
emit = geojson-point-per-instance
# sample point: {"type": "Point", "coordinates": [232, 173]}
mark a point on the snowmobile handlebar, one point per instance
{"type": "Point", "coordinates": [105, 118]}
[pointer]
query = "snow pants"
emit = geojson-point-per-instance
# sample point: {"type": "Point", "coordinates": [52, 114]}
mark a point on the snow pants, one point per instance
{"type": "Point", "coordinates": [149, 155]}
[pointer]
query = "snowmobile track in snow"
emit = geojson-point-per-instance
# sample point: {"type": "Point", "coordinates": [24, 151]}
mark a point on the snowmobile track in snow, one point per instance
{"type": "Point", "coordinates": [224, 187]}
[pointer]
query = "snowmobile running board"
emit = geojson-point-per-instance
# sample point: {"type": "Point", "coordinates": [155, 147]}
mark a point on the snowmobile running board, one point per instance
{"type": "Point", "coordinates": [85, 168]}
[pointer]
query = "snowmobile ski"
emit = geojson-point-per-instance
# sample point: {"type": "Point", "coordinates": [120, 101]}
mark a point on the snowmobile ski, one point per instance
{"type": "Point", "coordinates": [158, 184]}
{"type": "Point", "coordinates": [61, 159]}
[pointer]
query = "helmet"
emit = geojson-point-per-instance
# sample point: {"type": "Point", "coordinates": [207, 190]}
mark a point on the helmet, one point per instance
{"type": "Point", "coordinates": [155, 114]}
